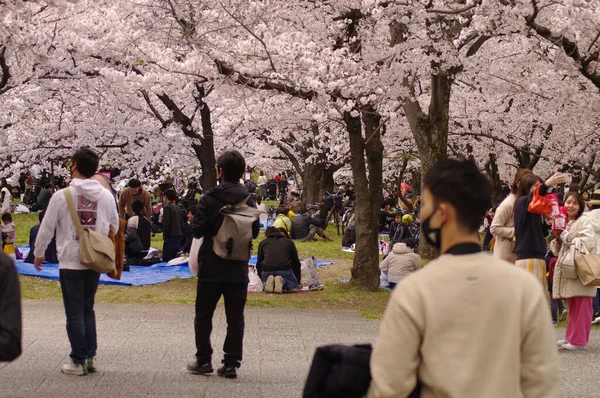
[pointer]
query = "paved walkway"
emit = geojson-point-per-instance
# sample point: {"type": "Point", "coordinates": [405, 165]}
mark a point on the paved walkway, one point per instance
{"type": "Point", "coordinates": [143, 350]}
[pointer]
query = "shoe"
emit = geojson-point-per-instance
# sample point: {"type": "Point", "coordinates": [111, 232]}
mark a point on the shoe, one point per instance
{"type": "Point", "coordinates": [555, 324]}
{"type": "Point", "coordinates": [228, 372]}
{"type": "Point", "coordinates": [270, 285]}
{"type": "Point", "coordinates": [75, 369]}
{"type": "Point", "coordinates": [195, 368]}
{"type": "Point", "coordinates": [314, 287]}
{"type": "Point", "coordinates": [571, 347]}
{"type": "Point", "coordinates": [563, 315]}
{"type": "Point", "coordinates": [90, 365]}
{"type": "Point", "coordinates": [561, 343]}
{"type": "Point", "coordinates": [326, 239]}
{"type": "Point", "coordinates": [596, 320]}
{"type": "Point", "coordinates": [278, 285]}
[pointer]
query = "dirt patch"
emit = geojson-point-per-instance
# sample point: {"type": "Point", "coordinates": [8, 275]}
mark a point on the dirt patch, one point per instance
{"type": "Point", "coordinates": [334, 273]}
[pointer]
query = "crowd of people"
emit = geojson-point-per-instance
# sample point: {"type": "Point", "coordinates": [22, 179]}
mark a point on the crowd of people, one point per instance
{"type": "Point", "coordinates": [496, 339]}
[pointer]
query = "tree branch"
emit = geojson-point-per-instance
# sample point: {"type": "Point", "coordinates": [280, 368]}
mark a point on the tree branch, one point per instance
{"type": "Point", "coordinates": [262, 83]}
{"type": "Point", "coordinates": [454, 12]}
{"type": "Point", "coordinates": [5, 70]}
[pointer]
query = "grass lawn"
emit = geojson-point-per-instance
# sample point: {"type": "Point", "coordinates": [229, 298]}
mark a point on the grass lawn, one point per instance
{"type": "Point", "coordinates": [183, 291]}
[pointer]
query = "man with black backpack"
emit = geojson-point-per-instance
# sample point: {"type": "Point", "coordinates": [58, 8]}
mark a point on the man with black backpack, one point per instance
{"type": "Point", "coordinates": [227, 220]}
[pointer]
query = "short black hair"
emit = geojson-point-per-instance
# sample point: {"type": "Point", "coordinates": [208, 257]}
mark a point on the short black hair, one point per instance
{"type": "Point", "coordinates": [134, 183]}
{"type": "Point", "coordinates": [6, 217]}
{"type": "Point", "coordinates": [193, 210]}
{"type": "Point", "coordinates": [233, 165]}
{"type": "Point", "coordinates": [137, 206]}
{"type": "Point", "coordinates": [171, 195]}
{"type": "Point", "coordinates": [408, 242]}
{"type": "Point", "coordinates": [461, 184]}
{"type": "Point", "coordinates": [87, 161]}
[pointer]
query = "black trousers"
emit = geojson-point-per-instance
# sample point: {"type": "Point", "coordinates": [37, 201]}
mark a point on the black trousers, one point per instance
{"type": "Point", "coordinates": [207, 297]}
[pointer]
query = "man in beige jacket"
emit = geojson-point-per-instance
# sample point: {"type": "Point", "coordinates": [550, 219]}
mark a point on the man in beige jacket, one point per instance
{"type": "Point", "coordinates": [467, 325]}
{"type": "Point", "coordinates": [133, 192]}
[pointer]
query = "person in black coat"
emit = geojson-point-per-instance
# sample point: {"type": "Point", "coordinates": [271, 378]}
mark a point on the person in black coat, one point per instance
{"type": "Point", "coordinates": [217, 276]}
{"type": "Point", "coordinates": [278, 265]}
{"type": "Point", "coordinates": [10, 310]}
{"type": "Point", "coordinates": [137, 235]}
{"type": "Point", "coordinates": [50, 253]}
{"type": "Point", "coordinates": [304, 227]}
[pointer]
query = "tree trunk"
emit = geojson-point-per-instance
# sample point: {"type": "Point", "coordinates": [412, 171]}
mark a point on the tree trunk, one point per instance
{"type": "Point", "coordinates": [431, 130]}
{"type": "Point", "coordinates": [365, 268]}
{"type": "Point", "coordinates": [311, 183]}
{"type": "Point", "coordinates": [491, 169]}
{"type": "Point", "coordinates": [207, 158]}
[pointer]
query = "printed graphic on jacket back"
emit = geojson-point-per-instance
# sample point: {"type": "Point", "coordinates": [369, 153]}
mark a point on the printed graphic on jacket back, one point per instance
{"type": "Point", "coordinates": [88, 212]}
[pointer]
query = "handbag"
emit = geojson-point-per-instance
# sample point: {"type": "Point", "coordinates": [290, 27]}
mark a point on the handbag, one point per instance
{"type": "Point", "coordinates": [588, 269]}
{"type": "Point", "coordinates": [96, 251]}
{"type": "Point", "coordinates": [540, 204]}
{"type": "Point", "coordinates": [568, 260]}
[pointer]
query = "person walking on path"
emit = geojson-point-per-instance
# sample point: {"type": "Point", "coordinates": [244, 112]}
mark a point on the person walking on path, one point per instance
{"type": "Point", "coordinates": [10, 310]}
{"type": "Point", "coordinates": [580, 231]}
{"type": "Point", "coordinates": [134, 191]}
{"type": "Point", "coordinates": [96, 209]}
{"type": "Point", "coordinates": [503, 224]}
{"type": "Point", "coordinates": [465, 351]}
{"type": "Point", "coordinates": [530, 230]}
{"type": "Point", "coordinates": [220, 277]}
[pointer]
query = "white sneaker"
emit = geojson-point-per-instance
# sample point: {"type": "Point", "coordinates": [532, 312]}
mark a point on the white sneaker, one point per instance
{"type": "Point", "coordinates": [72, 368]}
{"type": "Point", "coordinates": [596, 321]}
{"type": "Point", "coordinates": [270, 284]}
{"type": "Point", "coordinates": [571, 347]}
{"type": "Point", "coordinates": [561, 343]}
{"type": "Point", "coordinates": [278, 285]}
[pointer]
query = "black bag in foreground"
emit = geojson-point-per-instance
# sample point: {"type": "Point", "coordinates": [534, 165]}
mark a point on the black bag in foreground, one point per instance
{"type": "Point", "coordinates": [340, 371]}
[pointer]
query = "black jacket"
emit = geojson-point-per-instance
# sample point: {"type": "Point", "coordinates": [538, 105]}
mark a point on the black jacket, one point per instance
{"type": "Point", "coordinates": [10, 310]}
{"type": "Point", "coordinates": [172, 220]}
{"type": "Point", "coordinates": [530, 231]}
{"type": "Point", "coordinates": [49, 254]}
{"type": "Point", "coordinates": [208, 220]}
{"type": "Point", "coordinates": [301, 226]}
{"type": "Point", "coordinates": [278, 253]}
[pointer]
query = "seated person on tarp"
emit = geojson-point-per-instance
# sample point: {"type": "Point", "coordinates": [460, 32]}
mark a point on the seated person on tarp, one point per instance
{"type": "Point", "coordinates": [400, 227]}
{"type": "Point", "coordinates": [304, 227]}
{"type": "Point", "coordinates": [278, 265]}
{"type": "Point", "coordinates": [186, 230]}
{"type": "Point", "coordinates": [137, 235]}
{"type": "Point", "coordinates": [401, 262]}
{"type": "Point", "coordinates": [282, 220]}
{"type": "Point", "coordinates": [50, 254]}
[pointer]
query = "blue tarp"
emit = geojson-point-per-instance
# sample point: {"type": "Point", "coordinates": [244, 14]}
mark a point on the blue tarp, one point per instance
{"type": "Point", "coordinates": [137, 276]}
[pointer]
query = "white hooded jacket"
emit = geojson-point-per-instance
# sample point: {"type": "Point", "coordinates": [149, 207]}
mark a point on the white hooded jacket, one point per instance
{"type": "Point", "coordinates": [96, 208]}
{"type": "Point", "coordinates": [400, 262]}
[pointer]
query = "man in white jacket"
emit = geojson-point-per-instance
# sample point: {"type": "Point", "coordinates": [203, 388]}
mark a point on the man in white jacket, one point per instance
{"type": "Point", "coordinates": [97, 210]}
{"type": "Point", "coordinates": [467, 325]}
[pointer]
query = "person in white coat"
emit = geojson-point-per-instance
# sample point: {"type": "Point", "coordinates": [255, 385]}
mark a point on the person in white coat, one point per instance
{"type": "Point", "coordinates": [579, 298]}
{"type": "Point", "coordinates": [401, 262]}
{"type": "Point", "coordinates": [503, 226]}
{"type": "Point", "coordinates": [594, 217]}
{"type": "Point", "coordinates": [6, 199]}
{"type": "Point", "coordinates": [97, 210]}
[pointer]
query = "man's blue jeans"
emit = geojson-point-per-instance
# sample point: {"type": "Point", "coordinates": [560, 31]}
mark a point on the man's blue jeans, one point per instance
{"type": "Point", "coordinates": [597, 302]}
{"type": "Point", "coordinates": [79, 290]}
{"type": "Point", "coordinates": [290, 282]}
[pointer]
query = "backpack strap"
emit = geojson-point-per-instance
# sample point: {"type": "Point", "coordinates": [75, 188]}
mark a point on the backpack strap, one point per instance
{"type": "Point", "coordinates": [73, 210]}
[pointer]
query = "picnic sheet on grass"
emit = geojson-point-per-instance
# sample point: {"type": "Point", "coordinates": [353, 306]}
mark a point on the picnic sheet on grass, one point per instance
{"type": "Point", "coordinates": [137, 275]}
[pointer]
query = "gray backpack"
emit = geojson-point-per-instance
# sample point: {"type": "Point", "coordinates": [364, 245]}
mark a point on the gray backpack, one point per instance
{"type": "Point", "coordinates": [233, 241]}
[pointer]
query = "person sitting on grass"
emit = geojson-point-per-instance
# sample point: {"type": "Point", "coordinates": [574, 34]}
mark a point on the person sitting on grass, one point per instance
{"type": "Point", "coordinates": [283, 221]}
{"type": "Point", "coordinates": [9, 233]}
{"type": "Point", "coordinates": [50, 254]}
{"type": "Point", "coordinates": [278, 265]}
{"type": "Point", "coordinates": [401, 261]}
{"type": "Point", "coordinates": [304, 227]}
{"type": "Point", "coordinates": [137, 235]}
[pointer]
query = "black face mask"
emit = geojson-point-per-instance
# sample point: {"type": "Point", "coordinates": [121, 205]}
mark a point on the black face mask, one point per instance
{"type": "Point", "coordinates": [433, 236]}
